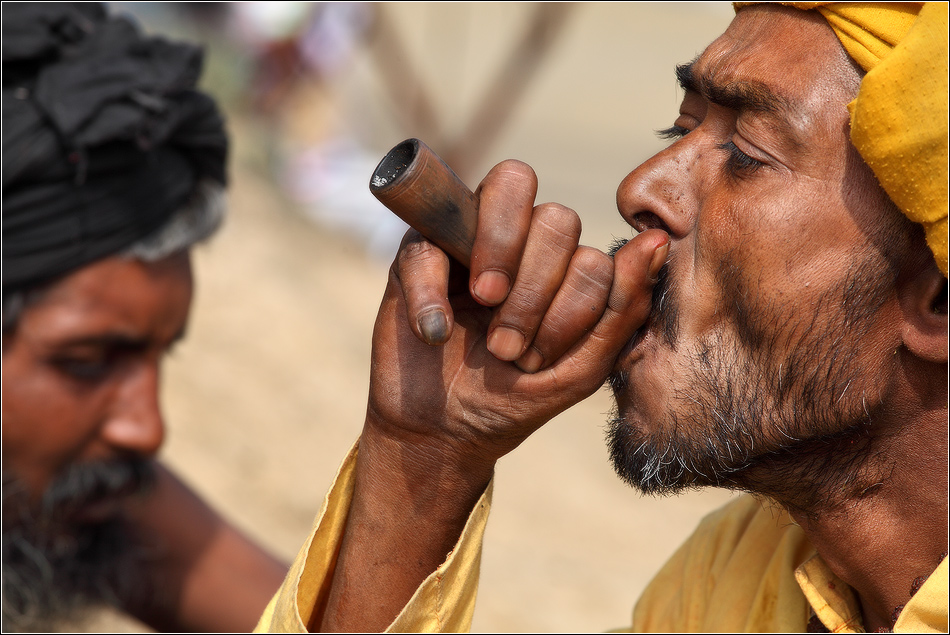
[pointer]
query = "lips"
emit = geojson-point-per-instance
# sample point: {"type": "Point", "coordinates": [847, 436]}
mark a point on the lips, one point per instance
{"type": "Point", "coordinates": [98, 511]}
{"type": "Point", "coordinates": [104, 506]}
{"type": "Point", "coordinates": [95, 492]}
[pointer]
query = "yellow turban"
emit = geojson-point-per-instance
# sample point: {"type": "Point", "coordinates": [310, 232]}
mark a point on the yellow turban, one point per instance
{"type": "Point", "coordinates": [899, 118]}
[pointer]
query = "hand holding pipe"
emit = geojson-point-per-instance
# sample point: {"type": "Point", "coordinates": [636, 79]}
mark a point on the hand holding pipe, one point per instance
{"type": "Point", "coordinates": [418, 187]}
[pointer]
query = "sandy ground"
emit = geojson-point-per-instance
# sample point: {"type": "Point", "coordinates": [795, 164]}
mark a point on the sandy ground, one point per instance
{"type": "Point", "coordinates": [268, 391]}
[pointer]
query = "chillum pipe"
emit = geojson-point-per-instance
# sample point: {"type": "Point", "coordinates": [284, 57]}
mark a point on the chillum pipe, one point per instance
{"type": "Point", "coordinates": [418, 187]}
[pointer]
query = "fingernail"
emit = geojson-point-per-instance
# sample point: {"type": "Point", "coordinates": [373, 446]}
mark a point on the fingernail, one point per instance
{"type": "Point", "coordinates": [659, 259]}
{"type": "Point", "coordinates": [491, 287]}
{"type": "Point", "coordinates": [531, 361]}
{"type": "Point", "coordinates": [506, 343]}
{"type": "Point", "coordinates": [434, 326]}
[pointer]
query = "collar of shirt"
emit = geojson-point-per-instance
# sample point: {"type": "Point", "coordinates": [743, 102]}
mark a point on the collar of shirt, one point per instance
{"type": "Point", "coordinates": [835, 604]}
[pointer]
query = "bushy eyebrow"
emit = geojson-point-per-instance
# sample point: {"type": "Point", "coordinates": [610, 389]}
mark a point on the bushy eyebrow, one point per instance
{"type": "Point", "coordinates": [739, 96]}
{"type": "Point", "coordinates": [116, 341]}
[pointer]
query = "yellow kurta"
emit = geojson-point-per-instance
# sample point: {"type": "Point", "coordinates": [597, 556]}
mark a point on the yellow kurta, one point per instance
{"type": "Point", "coordinates": [747, 567]}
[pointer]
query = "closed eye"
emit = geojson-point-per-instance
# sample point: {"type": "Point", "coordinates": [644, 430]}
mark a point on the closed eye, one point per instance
{"type": "Point", "coordinates": [84, 368]}
{"type": "Point", "coordinates": [672, 133]}
{"type": "Point", "coordinates": [738, 162]}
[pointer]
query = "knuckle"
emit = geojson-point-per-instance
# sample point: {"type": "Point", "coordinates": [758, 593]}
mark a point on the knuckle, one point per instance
{"type": "Point", "coordinates": [515, 170]}
{"type": "Point", "coordinates": [411, 235]}
{"type": "Point", "coordinates": [419, 250]}
{"type": "Point", "coordinates": [525, 301]}
{"type": "Point", "coordinates": [554, 334]}
{"type": "Point", "coordinates": [579, 309]}
{"type": "Point", "coordinates": [586, 294]}
{"type": "Point", "coordinates": [594, 266]}
{"type": "Point", "coordinates": [419, 266]}
{"type": "Point", "coordinates": [559, 224]}
{"type": "Point", "coordinates": [512, 177]}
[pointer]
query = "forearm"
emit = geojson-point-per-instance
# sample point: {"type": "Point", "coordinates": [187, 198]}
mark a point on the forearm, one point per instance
{"type": "Point", "coordinates": [411, 502]}
{"type": "Point", "coordinates": [228, 587]}
{"type": "Point", "coordinates": [210, 576]}
{"type": "Point", "coordinates": [440, 415]}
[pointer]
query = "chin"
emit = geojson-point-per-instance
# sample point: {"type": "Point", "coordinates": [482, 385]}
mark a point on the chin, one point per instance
{"type": "Point", "coordinates": [644, 462]}
{"type": "Point", "coordinates": [645, 440]}
{"type": "Point", "coordinates": [53, 572]}
{"type": "Point", "coordinates": [72, 551]}
{"type": "Point", "coordinates": [662, 437]}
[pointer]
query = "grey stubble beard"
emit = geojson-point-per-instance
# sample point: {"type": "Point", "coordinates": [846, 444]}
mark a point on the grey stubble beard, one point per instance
{"type": "Point", "coordinates": [54, 570]}
{"type": "Point", "coordinates": [773, 409]}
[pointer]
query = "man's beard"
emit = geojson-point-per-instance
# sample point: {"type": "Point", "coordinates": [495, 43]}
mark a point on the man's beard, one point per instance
{"type": "Point", "coordinates": [54, 567]}
{"type": "Point", "coordinates": [763, 409]}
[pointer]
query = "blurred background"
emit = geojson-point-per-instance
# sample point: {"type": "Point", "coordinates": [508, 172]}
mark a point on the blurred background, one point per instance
{"type": "Point", "coordinates": [267, 392]}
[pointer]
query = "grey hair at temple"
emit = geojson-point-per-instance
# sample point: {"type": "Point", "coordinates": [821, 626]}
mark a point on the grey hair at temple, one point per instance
{"type": "Point", "coordinates": [193, 223]}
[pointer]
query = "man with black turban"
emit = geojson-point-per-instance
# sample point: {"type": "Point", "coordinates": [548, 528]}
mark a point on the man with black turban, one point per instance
{"type": "Point", "coordinates": [113, 168]}
{"type": "Point", "coordinates": [777, 326]}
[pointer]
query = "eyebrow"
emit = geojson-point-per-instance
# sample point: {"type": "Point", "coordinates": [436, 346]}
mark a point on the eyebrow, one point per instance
{"type": "Point", "coordinates": [116, 340]}
{"type": "Point", "coordinates": [741, 96]}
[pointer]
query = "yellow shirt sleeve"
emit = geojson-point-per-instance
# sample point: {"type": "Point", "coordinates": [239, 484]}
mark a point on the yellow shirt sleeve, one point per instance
{"type": "Point", "coordinates": [444, 601]}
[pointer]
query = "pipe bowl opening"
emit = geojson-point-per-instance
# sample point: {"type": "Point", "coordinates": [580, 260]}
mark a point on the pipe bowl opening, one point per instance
{"type": "Point", "coordinates": [394, 164]}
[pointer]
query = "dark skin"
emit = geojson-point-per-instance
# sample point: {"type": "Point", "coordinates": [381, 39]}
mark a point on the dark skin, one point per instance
{"type": "Point", "coordinates": [781, 191]}
{"type": "Point", "coordinates": [81, 384]}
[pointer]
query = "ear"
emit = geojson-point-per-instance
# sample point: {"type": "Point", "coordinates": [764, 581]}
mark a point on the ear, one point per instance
{"type": "Point", "coordinates": [924, 303]}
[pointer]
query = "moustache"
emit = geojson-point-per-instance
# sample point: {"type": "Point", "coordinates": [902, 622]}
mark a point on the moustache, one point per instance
{"type": "Point", "coordinates": [83, 484]}
{"type": "Point", "coordinates": [615, 246]}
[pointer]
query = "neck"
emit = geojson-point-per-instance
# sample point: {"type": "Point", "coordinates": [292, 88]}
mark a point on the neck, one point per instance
{"type": "Point", "coordinates": [873, 502]}
{"type": "Point", "coordinates": [886, 542]}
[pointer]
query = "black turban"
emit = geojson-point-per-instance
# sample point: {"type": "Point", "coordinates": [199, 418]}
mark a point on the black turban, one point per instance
{"type": "Point", "coordinates": [104, 136]}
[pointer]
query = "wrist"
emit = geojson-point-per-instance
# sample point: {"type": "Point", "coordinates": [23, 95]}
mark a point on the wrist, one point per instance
{"type": "Point", "coordinates": [424, 465]}
{"type": "Point", "coordinates": [411, 501]}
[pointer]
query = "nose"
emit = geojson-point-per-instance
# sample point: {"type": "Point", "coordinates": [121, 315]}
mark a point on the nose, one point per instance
{"type": "Point", "coordinates": [135, 424]}
{"type": "Point", "coordinates": [663, 192]}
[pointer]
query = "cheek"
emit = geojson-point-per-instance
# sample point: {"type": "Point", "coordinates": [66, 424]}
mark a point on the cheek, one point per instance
{"type": "Point", "coordinates": [724, 245]}
{"type": "Point", "coordinates": [651, 391]}
{"type": "Point", "coordinates": [780, 234]}
{"type": "Point", "coordinates": [742, 227]}
{"type": "Point", "coordinates": [47, 422]}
